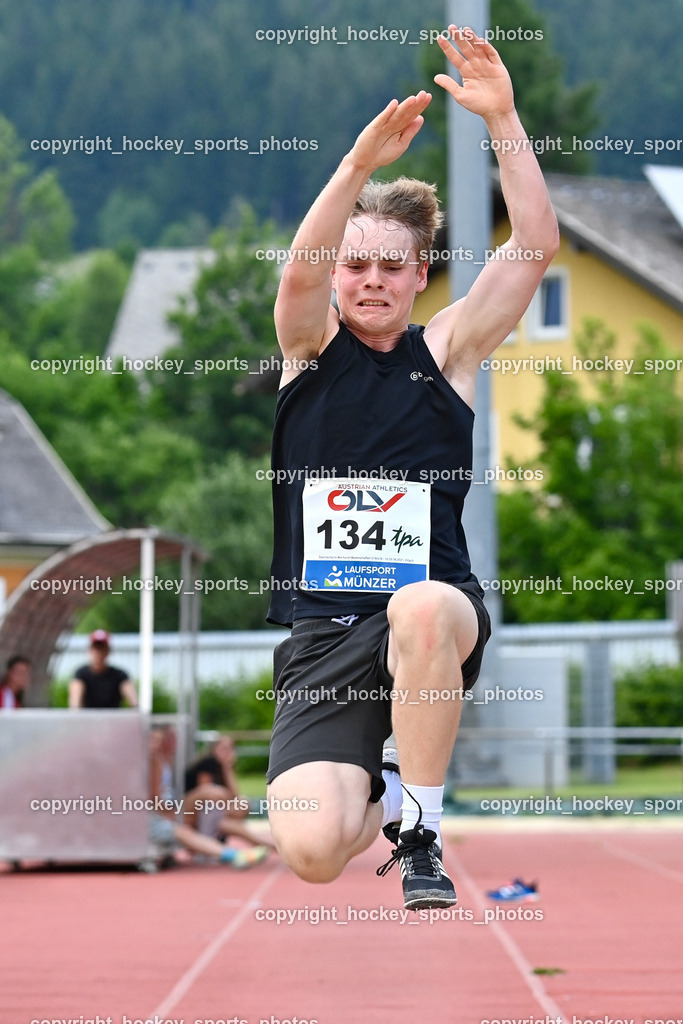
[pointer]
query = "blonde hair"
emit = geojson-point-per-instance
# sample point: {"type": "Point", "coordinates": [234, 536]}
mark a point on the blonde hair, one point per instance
{"type": "Point", "coordinates": [408, 201]}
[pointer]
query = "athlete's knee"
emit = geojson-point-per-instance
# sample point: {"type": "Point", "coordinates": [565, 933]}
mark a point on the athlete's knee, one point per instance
{"type": "Point", "coordinates": [314, 846]}
{"type": "Point", "coordinates": [425, 608]}
{"type": "Point", "coordinates": [313, 859]}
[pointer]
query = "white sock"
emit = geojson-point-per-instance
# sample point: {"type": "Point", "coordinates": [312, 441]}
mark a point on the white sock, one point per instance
{"type": "Point", "coordinates": [430, 799]}
{"type": "Point", "coordinates": [391, 798]}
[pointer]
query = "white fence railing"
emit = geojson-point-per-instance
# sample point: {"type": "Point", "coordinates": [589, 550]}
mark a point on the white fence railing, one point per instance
{"type": "Point", "coordinates": [235, 655]}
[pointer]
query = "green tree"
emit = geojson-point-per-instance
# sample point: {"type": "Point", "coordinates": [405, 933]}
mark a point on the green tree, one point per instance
{"type": "Point", "coordinates": [638, 71]}
{"type": "Point", "coordinates": [34, 211]}
{"type": "Point", "coordinates": [101, 426]}
{"type": "Point", "coordinates": [609, 506]}
{"type": "Point", "coordinates": [48, 221]}
{"type": "Point", "coordinates": [228, 510]}
{"type": "Point", "coordinates": [12, 173]}
{"type": "Point", "coordinates": [77, 307]}
{"type": "Point", "coordinates": [19, 261]}
{"type": "Point", "coordinates": [101, 292]}
{"type": "Point", "coordinates": [128, 217]}
{"type": "Point", "coordinates": [546, 105]}
{"type": "Point", "coordinates": [227, 331]}
{"type": "Point", "coordinates": [20, 273]}
{"type": "Point", "coordinates": [35, 228]}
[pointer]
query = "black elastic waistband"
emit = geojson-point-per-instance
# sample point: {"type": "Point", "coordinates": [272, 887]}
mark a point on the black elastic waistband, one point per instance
{"type": "Point", "coordinates": [326, 622]}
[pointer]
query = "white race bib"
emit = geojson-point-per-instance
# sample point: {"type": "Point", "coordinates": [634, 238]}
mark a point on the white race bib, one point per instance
{"type": "Point", "coordinates": [365, 535]}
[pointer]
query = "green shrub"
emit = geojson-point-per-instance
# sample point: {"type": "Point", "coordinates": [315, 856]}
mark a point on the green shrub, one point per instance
{"type": "Point", "coordinates": [234, 705]}
{"type": "Point", "coordinates": [650, 696]}
{"type": "Point", "coordinates": [59, 694]}
{"type": "Point", "coordinates": [163, 702]}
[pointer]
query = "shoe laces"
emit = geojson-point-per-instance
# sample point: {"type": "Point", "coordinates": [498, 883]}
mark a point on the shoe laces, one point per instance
{"type": "Point", "coordinates": [417, 849]}
{"type": "Point", "coordinates": [417, 852]}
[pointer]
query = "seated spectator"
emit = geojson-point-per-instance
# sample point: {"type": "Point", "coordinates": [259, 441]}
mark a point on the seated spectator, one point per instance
{"type": "Point", "coordinates": [167, 831]}
{"type": "Point", "coordinates": [99, 685]}
{"type": "Point", "coordinates": [13, 683]}
{"type": "Point", "coordinates": [213, 779]}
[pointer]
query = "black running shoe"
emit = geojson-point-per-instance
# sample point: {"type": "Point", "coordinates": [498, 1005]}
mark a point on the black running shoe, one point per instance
{"type": "Point", "coordinates": [425, 882]}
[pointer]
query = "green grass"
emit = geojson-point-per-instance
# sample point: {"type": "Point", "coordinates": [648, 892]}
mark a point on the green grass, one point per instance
{"type": "Point", "coordinates": [631, 781]}
{"type": "Point", "coordinates": [253, 785]}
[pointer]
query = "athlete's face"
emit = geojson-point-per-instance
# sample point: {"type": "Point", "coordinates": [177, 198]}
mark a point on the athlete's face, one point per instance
{"type": "Point", "coordinates": [377, 277]}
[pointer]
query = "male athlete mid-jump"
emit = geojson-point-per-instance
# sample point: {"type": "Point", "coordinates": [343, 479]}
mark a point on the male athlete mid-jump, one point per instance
{"type": "Point", "coordinates": [370, 563]}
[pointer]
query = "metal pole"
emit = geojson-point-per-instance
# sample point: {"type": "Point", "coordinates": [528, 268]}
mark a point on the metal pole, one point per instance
{"type": "Point", "coordinates": [146, 623]}
{"type": "Point", "coordinates": [549, 766]}
{"type": "Point", "coordinates": [195, 619]}
{"type": "Point", "coordinates": [184, 740]}
{"type": "Point", "coordinates": [674, 601]}
{"type": "Point", "coordinates": [469, 223]}
{"type": "Point", "coordinates": [599, 757]}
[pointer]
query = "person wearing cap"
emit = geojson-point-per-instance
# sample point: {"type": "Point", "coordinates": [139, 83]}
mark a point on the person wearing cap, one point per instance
{"type": "Point", "coordinates": [100, 685]}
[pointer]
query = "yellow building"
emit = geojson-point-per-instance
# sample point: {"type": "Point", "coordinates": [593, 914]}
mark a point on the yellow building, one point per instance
{"type": "Point", "coordinates": [620, 261]}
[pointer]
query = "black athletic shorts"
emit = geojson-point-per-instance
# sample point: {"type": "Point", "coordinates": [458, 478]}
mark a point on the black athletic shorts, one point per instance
{"type": "Point", "coordinates": [333, 692]}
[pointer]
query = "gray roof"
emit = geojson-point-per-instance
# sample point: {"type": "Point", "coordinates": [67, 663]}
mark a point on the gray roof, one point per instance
{"type": "Point", "coordinates": [160, 277]}
{"type": "Point", "coordinates": [627, 224]}
{"type": "Point", "coordinates": [40, 501]}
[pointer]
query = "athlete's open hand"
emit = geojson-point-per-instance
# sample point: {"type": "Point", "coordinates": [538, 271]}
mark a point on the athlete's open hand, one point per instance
{"type": "Point", "coordinates": [486, 87]}
{"type": "Point", "coordinates": [387, 137]}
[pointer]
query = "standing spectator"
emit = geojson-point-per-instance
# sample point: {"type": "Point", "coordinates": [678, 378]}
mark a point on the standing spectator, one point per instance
{"type": "Point", "coordinates": [99, 685]}
{"type": "Point", "coordinates": [15, 680]}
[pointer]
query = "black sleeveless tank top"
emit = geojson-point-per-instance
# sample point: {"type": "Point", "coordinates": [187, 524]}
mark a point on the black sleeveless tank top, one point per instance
{"type": "Point", "coordinates": [357, 410]}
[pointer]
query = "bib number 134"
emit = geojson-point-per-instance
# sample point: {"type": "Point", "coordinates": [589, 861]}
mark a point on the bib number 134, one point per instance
{"type": "Point", "coordinates": [351, 538]}
{"type": "Point", "coordinates": [361, 535]}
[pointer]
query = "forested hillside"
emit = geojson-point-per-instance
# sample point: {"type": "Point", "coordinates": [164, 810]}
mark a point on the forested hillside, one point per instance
{"type": "Point", "coordinates": [168, 74]}
{"type": "Point", "coordinates": [633, 50]}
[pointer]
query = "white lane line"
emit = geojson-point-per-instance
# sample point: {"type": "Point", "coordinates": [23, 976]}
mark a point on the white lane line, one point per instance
{"type": "Point", "coordinates": [525, 969]}
{"type": "Point", "coordinates": [187, 980]}
{"type": "Point", "coordinates": [643, 862]}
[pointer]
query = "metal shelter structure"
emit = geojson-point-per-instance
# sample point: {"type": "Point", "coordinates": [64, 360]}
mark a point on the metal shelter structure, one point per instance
{"type": "Point", "coordinates": [100, 754]}
{"type": "Point", "coordinates": [42, 610]}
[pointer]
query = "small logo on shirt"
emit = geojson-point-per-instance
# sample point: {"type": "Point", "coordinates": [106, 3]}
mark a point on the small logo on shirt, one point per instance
{"type": "Point", "coordinates": [416, 375]}
{"type": "Point", "coordinates": [334, 578]}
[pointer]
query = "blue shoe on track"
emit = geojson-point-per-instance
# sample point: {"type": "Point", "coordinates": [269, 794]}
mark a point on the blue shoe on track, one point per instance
{"type": "Point", "coordinates": [516, 892]}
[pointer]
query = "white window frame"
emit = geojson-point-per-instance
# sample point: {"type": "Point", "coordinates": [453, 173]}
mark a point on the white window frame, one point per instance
{"type": "Point", "coordinates": [535, 329]}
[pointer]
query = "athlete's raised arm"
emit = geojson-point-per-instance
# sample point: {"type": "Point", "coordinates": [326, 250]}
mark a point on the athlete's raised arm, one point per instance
{"type": "Point", "coordinates": [476, 324]}
{"type": "Point", "coordinates": [304, 319]}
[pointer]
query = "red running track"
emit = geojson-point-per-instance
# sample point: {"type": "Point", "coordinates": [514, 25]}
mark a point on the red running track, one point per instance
{"type": "Point", "coordinates": [188, 945]}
